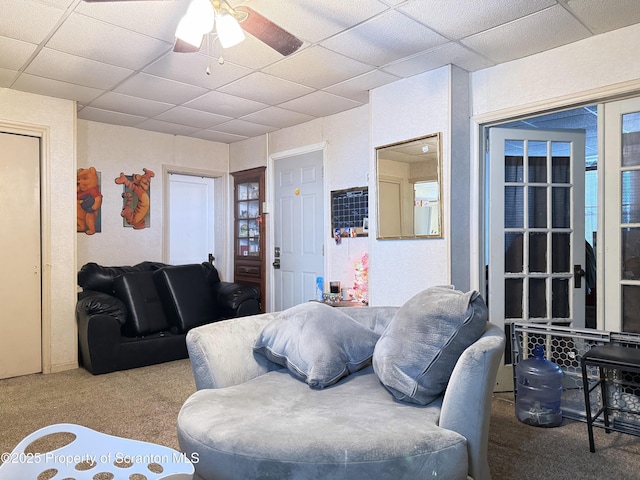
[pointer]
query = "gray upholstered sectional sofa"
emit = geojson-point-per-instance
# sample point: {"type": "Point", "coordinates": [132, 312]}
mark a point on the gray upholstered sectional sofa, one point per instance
{"type": "Point", "coordinates": [253, 418]}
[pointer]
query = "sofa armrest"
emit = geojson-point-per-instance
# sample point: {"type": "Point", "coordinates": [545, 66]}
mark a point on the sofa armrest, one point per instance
{"type": "Point", "coordinates": [222, 355]}
{"type": "Point", "coordinates": [99, 336]}
{"type": "Point", "coordinates": [466, 406]}
{"type": "Point", "coordinates": [235, 300]}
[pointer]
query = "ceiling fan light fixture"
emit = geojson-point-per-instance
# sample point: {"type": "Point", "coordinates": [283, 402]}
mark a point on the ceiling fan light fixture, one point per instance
{"type": "Point", "coordinates": [198, 21]}
{"type": "Point", "coordinates": [229, 30]}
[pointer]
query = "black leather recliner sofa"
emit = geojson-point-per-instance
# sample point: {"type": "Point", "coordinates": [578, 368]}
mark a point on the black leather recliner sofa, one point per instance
{"type": "Point", "coordinates": [133, 316]}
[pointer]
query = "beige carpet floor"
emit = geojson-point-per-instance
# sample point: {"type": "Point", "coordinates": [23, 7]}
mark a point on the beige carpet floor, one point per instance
{"type": "Point", "coordinates": [143, 404]}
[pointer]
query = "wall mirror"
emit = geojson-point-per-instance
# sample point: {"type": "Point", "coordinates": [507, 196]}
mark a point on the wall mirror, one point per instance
{"type": "Point", "coordinates": [409, 199]}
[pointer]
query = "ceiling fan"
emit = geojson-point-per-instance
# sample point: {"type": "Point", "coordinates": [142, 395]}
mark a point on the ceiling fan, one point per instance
{"type": "Point", "coordinates": [230, 24]}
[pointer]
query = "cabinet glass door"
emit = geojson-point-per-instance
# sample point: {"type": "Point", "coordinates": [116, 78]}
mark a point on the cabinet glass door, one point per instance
{"type": "Point", "coordinates": [248, 219]}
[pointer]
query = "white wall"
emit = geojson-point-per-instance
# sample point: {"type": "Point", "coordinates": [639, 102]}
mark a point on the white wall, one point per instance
{"type": "Point", "coordinates": [406, 109]}
{"type": "Point", "coordinates": [58, 117]}
{"type": "Point", "coordinates": [112, 149]}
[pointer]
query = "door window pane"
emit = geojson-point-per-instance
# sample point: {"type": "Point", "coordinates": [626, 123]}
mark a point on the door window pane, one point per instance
{"type": "Point", "coordinates": [561, 202]}
{"type": "Point", "coordinates": [513, 252]}
{"type": "Point", "coordinates": [537, 169]}
{"type": "Point", "coordinates": [537, 298]}
{"type": "Point", "coordinates": [537, 207]}
{"type": "Point", "coordinates": [560, 252]}
{"type": "Point", "coordinates": [513, 298]}
{"type": "Point", "coordinates": [630, 254]}
{"type": "Point", "coordinates": [560, 298]}
{"type": "Point", "coordinates": [538, 252]}
{"type": "Point", "coordinates": [514, 167]}
{"type": "Point", "coordinates": [513, 207]}
{"type": "Point", "coordinates": [631, 308]}
{"type": "Point", "coordinates": [561, 162]}
{"type": "Point", "coordinates": [631, 196]}
{"type": "Point", "coordinates": [631, 139]}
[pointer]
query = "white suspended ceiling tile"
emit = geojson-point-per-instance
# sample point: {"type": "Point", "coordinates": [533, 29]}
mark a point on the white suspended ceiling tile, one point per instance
{"type": "Point", "coordinates": [320, 104]}
{"type": "Point", "coordinates": [58, 3]}
{"type": "Point", "coordinates": [73, 69]}
{"type": "Point", "coordinates": [106, 116]}
{"type": "Point", "coordinates": [192, 117]}
{"type": "Point", "coordinates": [384, 39]}
{"type": "Point", "coordinates": [225, 104]}
{"type": "Point", "coordinates": [250, 53]}
{"type": "Point", "coordinates": [192, 68]}
{"type": "Point", "coordinates": [242, 127]}
{"type": "Point", "coordinates": [55, 88]}
{"type": "Point", "coordinates": [277, 117]}
{"type": "Point", "coordinates": [7, 77]}
{"type": "Point", "coordinates": [314, 21]}
{"type": "Point", "coordinates": [90, 38]}
{"type": "Point", "coordinates": [166, 127]}
{"type": "Point", "coordinates": [601, 16]}
{"type": "Point", "coordinates": [357, 88]}
{"type": "Point", "coordinates": [159, 89]}
{"type": "Point", "coordinates": [28, 20]}
{"type": "Point", "coordinates": [449, 53]}
{"type": "Point", "coordinates": [529, 35]}
{"type": "Point", "coordinates": [118, 102]}
{"type": "Point", "coordinates": [215, 136]}
{"type": "Point", "coordinates": [156, 19]}
{"type": "Point", "coordinates": [14, 53]}
{"type": "Point", "coordinates": [334, 68]}
{"type": "Point", "coordinates": [264, 88]}
{"type": "Point", "coordinates": [471, 16]}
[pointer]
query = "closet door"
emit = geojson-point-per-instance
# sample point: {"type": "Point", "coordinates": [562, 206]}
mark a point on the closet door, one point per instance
{"type": "Point", "coordinates": [20, 284]}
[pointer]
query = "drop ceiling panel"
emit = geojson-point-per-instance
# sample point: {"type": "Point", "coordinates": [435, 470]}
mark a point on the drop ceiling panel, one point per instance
{"type": "Point", "coordinates": [357, 88]}
{"type": "Point", "coordinates": [314, 21]}
{"type": "Point", "coordinates": [251, 53]}
{"type": "Point", "coordinates": [106, 116]}
{"type": "Point", "coordinates": [244, 128]}
{"type": "Point", "coordinates": [55, 88]}
{"type": "Point", "coordinates": [470, 16]}
{"type": "Point", "coordinates": [119, 102]}
{"type": "Point", "coordinates": [158, 20]}
{"type": "Point", "coordinates": [28, 20]}
{"type": "Point", "coordinates": [90, 38]}
{"type": "Point", "coordinates": [533, 34]}
{"type": "Point", "coordinates": [601, 16]}
{"type": "Point", "coordinates": [166, 127]}
{"type": "Point", "coordinates": [225, 104]}
{"type": "Point", "coordinates": [214, 136]}
{"type": "Point", "coordinates": [264, 88]}
{"type": "Point", "coordinates": [77, 70]}
{"type": "Point", "coordinates": [277, 117]}
{"type": "Point", "coordinates": [192, 117]}
{"type": "Point", "coordinates": [320, 104]}
{"type": "Point", "coordinates": [384, 39]}
{"type": "Point", "coordinates": [7, 77]}
{"type": "Point", "coordinates": [192, 68]}
{"type": "Point", "coordinates": [453, 53]}
{"type": "Point", "coordinates": [337, 68]}
{"type": "Point", "coordinates": [14, 53]}
{"type": "Point", "coordinates": [159, 89]}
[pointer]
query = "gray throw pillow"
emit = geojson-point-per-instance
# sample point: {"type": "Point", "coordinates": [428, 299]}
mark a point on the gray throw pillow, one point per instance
{"type": "Point", "coordinates": [317, 343]}
{"type": "Point", "coordinates": [416, 354]}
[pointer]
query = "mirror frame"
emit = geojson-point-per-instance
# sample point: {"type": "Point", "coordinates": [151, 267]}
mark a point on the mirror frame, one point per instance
{"type": "Point", "coordinates": [407, 145]}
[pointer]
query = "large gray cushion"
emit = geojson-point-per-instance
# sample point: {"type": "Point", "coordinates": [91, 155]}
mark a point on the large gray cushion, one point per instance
{"type": "Point", "coordinates": [275, 427]}
{"type": "Point", "coordinates": [317, 343]}
{"type": "Point", "coordinates": [418, 350]}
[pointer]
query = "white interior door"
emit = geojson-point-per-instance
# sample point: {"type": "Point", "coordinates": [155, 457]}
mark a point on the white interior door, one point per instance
{"type": "Point", "coordinates": [298, 228]}
{"type": "Point", "coordinates": [620, 243]}
{"type": "Point", "coordinates": [20, 287]}
{"type": "Point", "coordinates": [191, 219]}
{"type": "Point", "coordinates": [536, 226]}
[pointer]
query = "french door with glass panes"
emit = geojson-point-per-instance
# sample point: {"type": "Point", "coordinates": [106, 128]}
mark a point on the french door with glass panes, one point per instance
{"type": "Point", "coordinates": [536, 226]}
{"type": "Point", "coordinates": [621, 239]}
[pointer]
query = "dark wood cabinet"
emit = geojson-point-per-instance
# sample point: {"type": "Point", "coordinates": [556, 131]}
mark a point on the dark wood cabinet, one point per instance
{"type": "Point", "coordinates": [249, 229]}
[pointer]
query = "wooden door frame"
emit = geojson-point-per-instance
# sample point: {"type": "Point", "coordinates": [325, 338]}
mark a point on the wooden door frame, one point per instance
{"type": "Point", "coordinates": [43, 133]}
{"type": "Point", "coordinates": [270, 186]}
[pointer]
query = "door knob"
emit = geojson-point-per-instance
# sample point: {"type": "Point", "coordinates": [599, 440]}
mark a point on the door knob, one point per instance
{"type": "Point", "coordinates": [578, 273]}
{"type": "Point", "coordinates": [276, 264]}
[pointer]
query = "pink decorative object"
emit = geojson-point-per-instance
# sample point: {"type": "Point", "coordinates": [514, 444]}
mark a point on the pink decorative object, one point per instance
{"type": "Point", "coordinates": [360, 292]}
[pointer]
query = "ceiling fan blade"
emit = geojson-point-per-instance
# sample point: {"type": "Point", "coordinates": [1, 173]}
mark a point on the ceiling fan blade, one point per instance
{"type": "Point", "coordinates": [268, 32]}
{"type": "Point", "coordinates": [180, 46]}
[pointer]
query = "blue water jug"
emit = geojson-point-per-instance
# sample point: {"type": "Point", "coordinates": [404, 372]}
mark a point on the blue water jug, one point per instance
{"type": "Point", "coordinates": [539, 391]}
